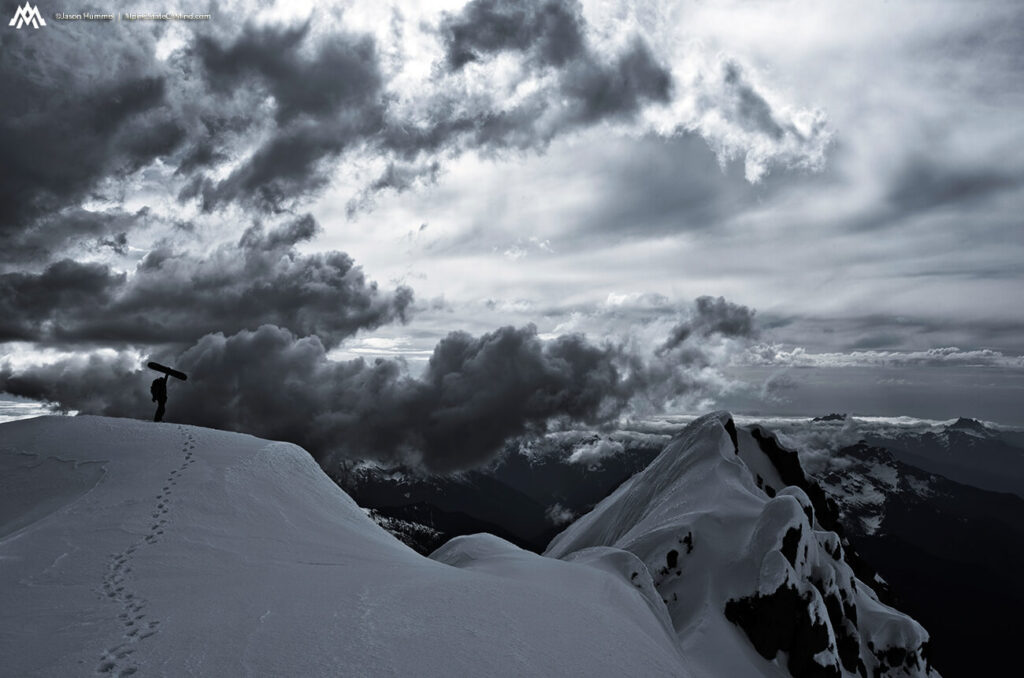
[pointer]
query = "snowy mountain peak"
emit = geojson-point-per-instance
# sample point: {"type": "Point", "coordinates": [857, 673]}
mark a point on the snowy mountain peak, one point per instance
{"type": "Point", "coordinates": [750, 579]}
{"type": "Point", "coordinates": [970, 427]}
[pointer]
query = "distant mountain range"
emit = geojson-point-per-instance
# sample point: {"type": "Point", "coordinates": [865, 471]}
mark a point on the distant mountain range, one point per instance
{"type": "Point", "coordinates": [526, 498]}
{"type": "Point", "coordinates": [966, 451]}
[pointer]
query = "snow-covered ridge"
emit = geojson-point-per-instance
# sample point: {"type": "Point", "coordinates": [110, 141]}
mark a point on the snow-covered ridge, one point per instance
{"type": "Point", "coordinates": [752, 582]}
{"type": "Point", "coordinates": [133, 548]}
{"type": "Point", "coordinates": [130, 547]}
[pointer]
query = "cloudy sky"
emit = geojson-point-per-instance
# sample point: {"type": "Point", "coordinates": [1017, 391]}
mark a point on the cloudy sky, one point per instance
{"type": "Point", "coordinates": [422, 228]}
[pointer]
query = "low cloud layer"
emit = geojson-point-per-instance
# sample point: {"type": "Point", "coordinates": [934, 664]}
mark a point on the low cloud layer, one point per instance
{"type": "Point", "coordinates": [592, 453]}
{"type": "Point", "coordinates": [475, 395]}
{"type": "Point", "coordinates": [948, 356]}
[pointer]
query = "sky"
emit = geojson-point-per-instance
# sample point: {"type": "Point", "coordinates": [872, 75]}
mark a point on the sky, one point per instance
{"type": "Point", "coordinates": [417, 229]}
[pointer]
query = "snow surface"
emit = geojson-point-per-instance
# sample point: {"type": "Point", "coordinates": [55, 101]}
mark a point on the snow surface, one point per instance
{"type": "Point", "coordinates": [129, 547]}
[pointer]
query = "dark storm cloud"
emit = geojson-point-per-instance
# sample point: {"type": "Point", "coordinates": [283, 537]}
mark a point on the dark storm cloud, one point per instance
{"type": "Point", "coordinates": [82, 111]}
{"type": "Point", "coordinates": [38, 242]}
{"type": "Point", "coordinates": [329, 99]}
{"type": "Point", "coordinates": [100, 383]}
{"type": "Point", "coordinates": [551, 33]}
{"type": "Point", "coordinates": [476, 393]}
{"type": "Point", "coordinates": [712, 316]}
{"type": "Point", "coordinates": [77, 110]}
{"type": "Point", "coordinates": [260, 115]}
{"type": "Point", "coordinates": [29, 301]}
{"type": "Point", "coordinates": [341, 74]}
{"type": "Point", "coordinates": [175, 297]}
{"type": "Point", "coordinates": [602, 91]}
{"type": "Point", "coordinates": [323, 103]}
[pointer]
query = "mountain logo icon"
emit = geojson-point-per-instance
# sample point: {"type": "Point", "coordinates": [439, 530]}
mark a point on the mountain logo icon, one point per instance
{"type": "Point", "coordinates": [27, 15]}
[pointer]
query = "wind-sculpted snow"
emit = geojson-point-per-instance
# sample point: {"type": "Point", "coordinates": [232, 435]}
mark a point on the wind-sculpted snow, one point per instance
{"type": "Point", "coordinates": [32, 487]}
{"type": "Point", "coordinates": [752, 583]}
{"type": "Point", "coordinates": [134, 548]}
{"type": "Point", "coordinates": [487, 553]}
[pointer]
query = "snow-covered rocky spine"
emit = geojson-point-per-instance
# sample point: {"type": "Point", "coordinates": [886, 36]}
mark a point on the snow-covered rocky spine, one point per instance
{"type": "Point", "coordinates": [747, 577]}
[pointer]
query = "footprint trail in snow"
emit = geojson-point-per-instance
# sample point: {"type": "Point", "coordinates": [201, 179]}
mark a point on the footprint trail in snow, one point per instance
{"type": "Point", "coordinates": [117, 660]}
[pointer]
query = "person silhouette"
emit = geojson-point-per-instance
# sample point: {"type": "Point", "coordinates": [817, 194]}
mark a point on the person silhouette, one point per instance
{"type": "Point", "coordinates": [159, 392]}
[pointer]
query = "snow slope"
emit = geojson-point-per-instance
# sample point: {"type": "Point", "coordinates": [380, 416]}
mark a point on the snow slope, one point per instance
{"type": "Point", "coordinates": [742, 563]}
{"type": "Point", "coordinates": [164, 550]}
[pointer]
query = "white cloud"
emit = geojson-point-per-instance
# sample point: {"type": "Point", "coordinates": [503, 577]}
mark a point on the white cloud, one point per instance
{"type": "Point", "coordinates": [594, 452]}
{"type": "Point", "coordinates": [559, 515]}
{"type": "Point", "coordinates": [775, 354]}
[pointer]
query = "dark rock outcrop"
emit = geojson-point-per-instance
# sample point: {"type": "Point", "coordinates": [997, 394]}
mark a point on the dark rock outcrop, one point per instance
{"type": "Point", "coordinates": [781, 621]}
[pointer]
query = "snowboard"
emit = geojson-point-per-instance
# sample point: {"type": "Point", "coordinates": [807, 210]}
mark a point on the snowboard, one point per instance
{"type": "Point", "coordinates": [167, 370]}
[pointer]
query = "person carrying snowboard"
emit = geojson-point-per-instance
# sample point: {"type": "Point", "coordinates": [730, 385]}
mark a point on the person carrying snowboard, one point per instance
{"type": "Point", "coordinates": [158, 389]}
{"type": "Point", "coordinates": [159, 392]}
